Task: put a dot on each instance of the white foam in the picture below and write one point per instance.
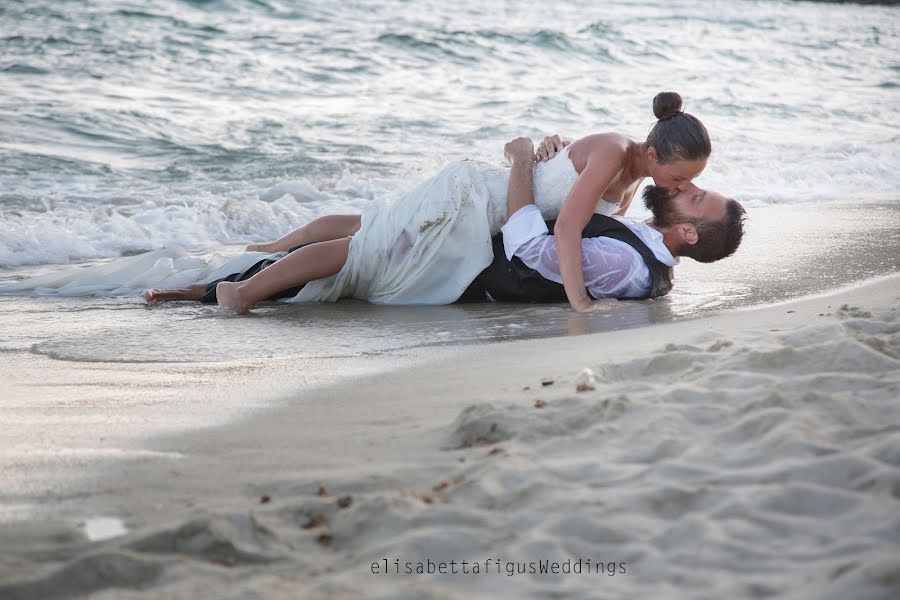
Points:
(104, 528)
(71, 230)
(83, 222)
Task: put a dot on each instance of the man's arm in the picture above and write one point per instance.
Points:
(520, 153)
(612, 269)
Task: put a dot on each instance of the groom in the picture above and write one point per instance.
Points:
(622, 259)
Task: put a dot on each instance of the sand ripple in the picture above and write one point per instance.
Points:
(762, 466)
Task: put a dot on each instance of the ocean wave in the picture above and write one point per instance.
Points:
(20, 68)
(202, 99)
(37, 231)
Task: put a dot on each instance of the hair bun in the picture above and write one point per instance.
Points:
(667, 105)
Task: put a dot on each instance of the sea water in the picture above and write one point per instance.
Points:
(129, 127)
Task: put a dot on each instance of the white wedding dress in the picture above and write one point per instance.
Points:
(424, 247)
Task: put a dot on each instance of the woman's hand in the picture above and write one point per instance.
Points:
(596, 305)
(550, 146)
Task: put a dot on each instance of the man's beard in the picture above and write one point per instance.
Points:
(658, 201)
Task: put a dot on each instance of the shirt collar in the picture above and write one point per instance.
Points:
(653, 238)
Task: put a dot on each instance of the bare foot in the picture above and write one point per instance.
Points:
(229, 296)
(257, 248)
(150, 296)
(154, 295)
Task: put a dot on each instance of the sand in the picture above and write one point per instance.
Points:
(750, 454)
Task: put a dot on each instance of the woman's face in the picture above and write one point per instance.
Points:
(676, 175)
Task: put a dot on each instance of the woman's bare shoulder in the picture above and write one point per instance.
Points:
(608, 145)
(608, 139)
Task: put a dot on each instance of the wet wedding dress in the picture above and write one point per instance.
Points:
(427, 246)
(422, 247)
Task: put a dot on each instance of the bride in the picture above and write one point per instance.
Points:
(427, 246)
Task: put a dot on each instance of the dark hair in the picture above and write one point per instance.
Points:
(717, 239)
(677, 135)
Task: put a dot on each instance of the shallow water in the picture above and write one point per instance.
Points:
(789, 252)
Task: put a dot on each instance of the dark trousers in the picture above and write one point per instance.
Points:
(506, 281)
(210, 294)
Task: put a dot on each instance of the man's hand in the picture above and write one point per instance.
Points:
(550, 146)
(519, 150)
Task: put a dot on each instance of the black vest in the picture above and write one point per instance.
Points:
(512, 281)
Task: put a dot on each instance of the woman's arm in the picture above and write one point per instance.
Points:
(550, 146)
(603, 166)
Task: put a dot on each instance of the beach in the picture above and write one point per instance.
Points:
(737, 438)
(740, 437)
(748, 454)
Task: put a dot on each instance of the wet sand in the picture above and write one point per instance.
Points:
(753, 452)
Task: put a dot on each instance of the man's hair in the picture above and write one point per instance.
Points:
(717, 239)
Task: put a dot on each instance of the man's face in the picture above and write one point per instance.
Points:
(690, 205)
(700, 204)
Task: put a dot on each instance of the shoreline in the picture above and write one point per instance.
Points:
(155, 385)
(386, 440)
(789, 252)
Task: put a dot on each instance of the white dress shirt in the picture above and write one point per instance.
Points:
(612, 269)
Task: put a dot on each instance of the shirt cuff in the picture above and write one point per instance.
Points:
(523, 226)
